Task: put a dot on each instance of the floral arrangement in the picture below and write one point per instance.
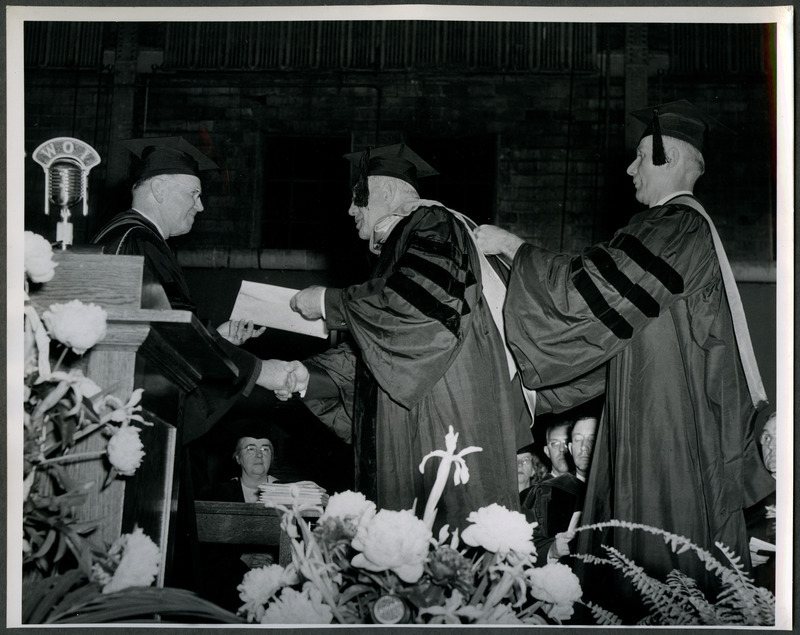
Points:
(677, 601)
(66, 575)
(362, 565)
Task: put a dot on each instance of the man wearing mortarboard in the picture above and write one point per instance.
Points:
(428, 353)
(658, 308)
(166, 197)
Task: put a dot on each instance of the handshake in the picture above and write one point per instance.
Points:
(285, 378)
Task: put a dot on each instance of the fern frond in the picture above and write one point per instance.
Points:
(601, 616)
(664, 605)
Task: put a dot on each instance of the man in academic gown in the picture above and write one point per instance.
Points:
(428, 352)
(656, 307)
(166, 197)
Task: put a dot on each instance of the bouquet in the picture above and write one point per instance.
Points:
(362, 565)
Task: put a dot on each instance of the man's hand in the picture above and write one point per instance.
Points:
(308, 302)
(560, 547)
(237, 332)
(296, 381)
(757, 559)
(285, 378)
(492, 240)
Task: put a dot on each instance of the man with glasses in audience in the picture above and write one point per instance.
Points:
(555, 502)
(555, 449)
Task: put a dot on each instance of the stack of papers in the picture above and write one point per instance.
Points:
(302, 493)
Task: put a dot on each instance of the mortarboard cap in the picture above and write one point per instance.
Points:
(681, 120)
(530, 448)
(398, 161)
(168, 155)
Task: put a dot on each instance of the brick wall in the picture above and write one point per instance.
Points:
(560, 167)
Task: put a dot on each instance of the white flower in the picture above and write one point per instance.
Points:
(349, 506)
(393, 540)
(499, 530)
(258, 586)
(139, 564)
(555, 584)
(298, 607)
(75, 324)
(125, 450)
(39, 265)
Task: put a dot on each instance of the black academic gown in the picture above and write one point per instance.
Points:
(429, 356)
(130, 233)
(551, 505)
(675, 447)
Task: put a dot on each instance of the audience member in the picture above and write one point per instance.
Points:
(526, 468)
(761, 516)
(554, 503)
(225, 565)
(253, 453)
(556, 447)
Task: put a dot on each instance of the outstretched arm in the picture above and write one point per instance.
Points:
(492, 240)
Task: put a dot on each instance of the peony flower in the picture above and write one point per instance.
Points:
(125, 450)
(449, 568)
(298, 607)
(39, 265)
(139, 563)
(344, 514)
(499, 530)
(259, 585)
(75, 324)
(349, 504)
(393, 540)
(557, 585)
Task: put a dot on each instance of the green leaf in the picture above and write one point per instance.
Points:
(145, 603)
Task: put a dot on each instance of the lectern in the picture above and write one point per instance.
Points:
(149, 346)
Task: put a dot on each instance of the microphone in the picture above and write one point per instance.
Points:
(66, 163)
(67, 185)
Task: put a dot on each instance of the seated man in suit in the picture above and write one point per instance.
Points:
(555, 501)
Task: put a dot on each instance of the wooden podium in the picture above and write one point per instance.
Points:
(147, 346)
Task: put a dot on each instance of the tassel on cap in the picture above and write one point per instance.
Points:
(361, 188)
(397, 161)
(659, 158)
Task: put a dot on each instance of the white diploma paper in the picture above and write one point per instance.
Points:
(268, 305)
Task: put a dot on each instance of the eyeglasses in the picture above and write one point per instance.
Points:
(557, 445)
(523, 461)
(253, 448)
(195, 191)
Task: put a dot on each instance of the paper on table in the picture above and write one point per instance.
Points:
(268, 305)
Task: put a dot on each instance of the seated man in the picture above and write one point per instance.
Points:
(760, 518)
(556, 500)
(555, 449)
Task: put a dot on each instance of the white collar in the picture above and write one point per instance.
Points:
(152, 220)
(670, 196)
